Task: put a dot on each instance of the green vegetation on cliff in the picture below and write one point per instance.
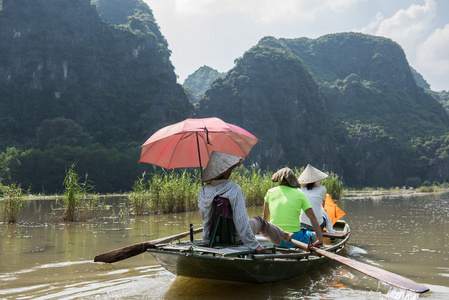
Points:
(367, 129)
(72, 80)
(88, 84)
(442, 96)
(200, 81)
(271, 93)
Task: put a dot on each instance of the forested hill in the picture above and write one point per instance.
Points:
(60, 59)
(200, 81)
(368, 78)
(88, 82)
(271, 93)
(69, 78)
(345, 101)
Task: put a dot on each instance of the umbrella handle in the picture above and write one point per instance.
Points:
(199, 157)
(207, 136)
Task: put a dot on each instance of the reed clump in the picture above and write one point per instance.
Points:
(166, 191)
(177, 190)
(14, 199)
(430, 189)
(78, 204)
(333, 185)
(139, 195)
(253, 182)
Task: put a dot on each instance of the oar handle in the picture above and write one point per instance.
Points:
(302, 245)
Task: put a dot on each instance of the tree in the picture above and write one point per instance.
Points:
(9, 162)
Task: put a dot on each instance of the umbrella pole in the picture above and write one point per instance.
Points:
(199, 157)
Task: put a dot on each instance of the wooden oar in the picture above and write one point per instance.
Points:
(382, 275)
(133, 250)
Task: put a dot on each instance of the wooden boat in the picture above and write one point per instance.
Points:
(237, 263)
(197, 259)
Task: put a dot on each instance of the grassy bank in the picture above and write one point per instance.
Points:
(177, 190)
(173, 191)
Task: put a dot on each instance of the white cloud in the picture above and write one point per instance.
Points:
(433, 56)
(372, 26)
(427, 48)
(263, 11)
(194, 7)
(216, 32)
(407, 26)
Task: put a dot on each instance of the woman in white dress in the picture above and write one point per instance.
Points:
(310, 185)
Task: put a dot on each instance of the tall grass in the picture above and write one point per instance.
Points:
(173, 191)
(254, 183)
(78, 205)
(13, 201)
(333, 185)
(430, 189)
(139, 196)
(177, 190)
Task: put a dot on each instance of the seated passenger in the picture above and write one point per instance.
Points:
(316, 194)
(283, 205)
(216, 176)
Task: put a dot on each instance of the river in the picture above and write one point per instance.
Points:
(44, 258)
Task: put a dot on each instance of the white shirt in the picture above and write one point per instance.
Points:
(234, 193)
(315, 196)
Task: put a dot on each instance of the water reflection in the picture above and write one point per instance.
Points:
(42, 258)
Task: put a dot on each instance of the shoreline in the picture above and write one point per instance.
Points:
(348, 195)
(358, 195)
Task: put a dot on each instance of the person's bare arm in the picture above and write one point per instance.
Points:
(316, 226)
(266, 212)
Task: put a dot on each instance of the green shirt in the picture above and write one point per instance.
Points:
(285, 204)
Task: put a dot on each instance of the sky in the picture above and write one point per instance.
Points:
(216, 32)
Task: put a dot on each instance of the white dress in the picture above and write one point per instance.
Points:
(315, 196)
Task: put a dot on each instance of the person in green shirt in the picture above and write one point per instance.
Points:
(283, 205)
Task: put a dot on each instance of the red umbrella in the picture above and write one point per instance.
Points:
(190, 143)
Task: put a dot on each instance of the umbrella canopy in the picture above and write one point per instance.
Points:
(333, 211)
(189, 143)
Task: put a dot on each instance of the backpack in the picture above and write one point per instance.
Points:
(222, 228)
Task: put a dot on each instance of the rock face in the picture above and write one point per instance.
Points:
(347, 102)
(61, 59)
(200, 81)
(97, 75)
(270, 93)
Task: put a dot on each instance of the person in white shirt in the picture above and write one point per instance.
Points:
(310, 181)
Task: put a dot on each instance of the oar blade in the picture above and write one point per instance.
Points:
(133, 250)
(123, 253)
(382, 275)
(375, 272)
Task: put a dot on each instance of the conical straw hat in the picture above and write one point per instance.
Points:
(219, 163)
(311, 174)
(287, 174)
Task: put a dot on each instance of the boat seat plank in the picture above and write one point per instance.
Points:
(283, 255)
(229, 251)
(336, 234)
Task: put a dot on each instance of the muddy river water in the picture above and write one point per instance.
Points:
(43, 258)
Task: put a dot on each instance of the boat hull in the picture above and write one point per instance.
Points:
(192, 259)
(241, 270)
